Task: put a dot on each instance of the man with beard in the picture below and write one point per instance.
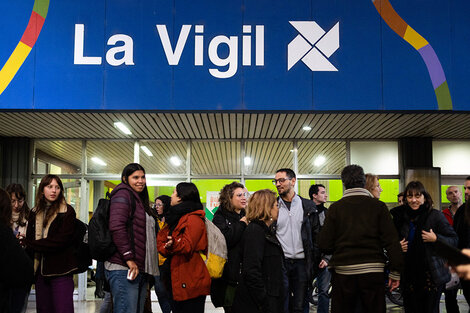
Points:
(297, 228)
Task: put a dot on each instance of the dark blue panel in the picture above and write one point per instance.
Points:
(59, 84)
(377, 69)
(194, 86)
(272, 87)
(458, 76)
(146, 85)
(357, 84)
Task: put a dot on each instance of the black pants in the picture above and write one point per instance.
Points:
(295, 282)
(466, 289)
(195, 305)
(421, 300)
(451, 301)
(368, 288)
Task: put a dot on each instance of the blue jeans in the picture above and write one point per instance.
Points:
(295, 282)
(128, 295)
(323, 282)
(162, 295)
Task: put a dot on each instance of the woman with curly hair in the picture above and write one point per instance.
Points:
(230, 219)
(261, 285)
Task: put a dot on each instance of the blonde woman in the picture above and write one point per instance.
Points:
(261, 284)
(373, 185)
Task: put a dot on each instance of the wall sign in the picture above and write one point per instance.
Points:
(306, 55)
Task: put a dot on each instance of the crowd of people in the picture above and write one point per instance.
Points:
(277, 244)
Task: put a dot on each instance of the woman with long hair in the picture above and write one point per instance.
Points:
(132, 227)
(50, 238)
(185, 275)
(261, 285)
(419, 227)
(16, 268)
(230, 219)
(19, 218)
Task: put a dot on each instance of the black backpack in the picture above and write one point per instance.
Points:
(82, 249)
(100, 240)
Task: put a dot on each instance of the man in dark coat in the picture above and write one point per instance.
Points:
(357, 229)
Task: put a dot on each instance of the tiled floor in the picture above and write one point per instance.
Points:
(93, 306)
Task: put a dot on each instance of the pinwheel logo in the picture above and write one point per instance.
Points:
(313, 46)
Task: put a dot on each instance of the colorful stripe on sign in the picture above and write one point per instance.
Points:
(22, 50)
(402, 29)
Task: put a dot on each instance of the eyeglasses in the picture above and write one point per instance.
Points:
(280, 180)
(19, 202)
(243, 194)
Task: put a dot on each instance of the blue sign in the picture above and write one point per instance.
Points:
(307, 55)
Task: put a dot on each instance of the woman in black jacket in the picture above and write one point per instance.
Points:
(230, 219)
(419, 227)
(16, 268)
(261, 285)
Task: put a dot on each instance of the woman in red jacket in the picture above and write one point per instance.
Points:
(181, 241)
(50, 237)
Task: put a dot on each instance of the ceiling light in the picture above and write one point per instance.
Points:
(175, 161)
(307, 128)
(247, 161)
(146, 150)
(98, 161)
(122, 128)
(319, 161)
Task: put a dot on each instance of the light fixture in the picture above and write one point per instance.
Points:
(122, 128)
(98, 161)
(175, 161)
(319, 161)
(146, 150)
(307, 128)
(247, 161)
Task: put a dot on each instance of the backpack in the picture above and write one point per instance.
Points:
(216, 250)
(100, 240)
(82, 249)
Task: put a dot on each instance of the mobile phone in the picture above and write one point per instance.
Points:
(129, 275)
(453, 255)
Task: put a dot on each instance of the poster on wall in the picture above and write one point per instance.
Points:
(311, 55)
(212, 201)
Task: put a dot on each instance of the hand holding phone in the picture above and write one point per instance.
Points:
(133, 270)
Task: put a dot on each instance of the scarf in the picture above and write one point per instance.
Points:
(174, 214)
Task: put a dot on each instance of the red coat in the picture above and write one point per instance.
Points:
(189, 275)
